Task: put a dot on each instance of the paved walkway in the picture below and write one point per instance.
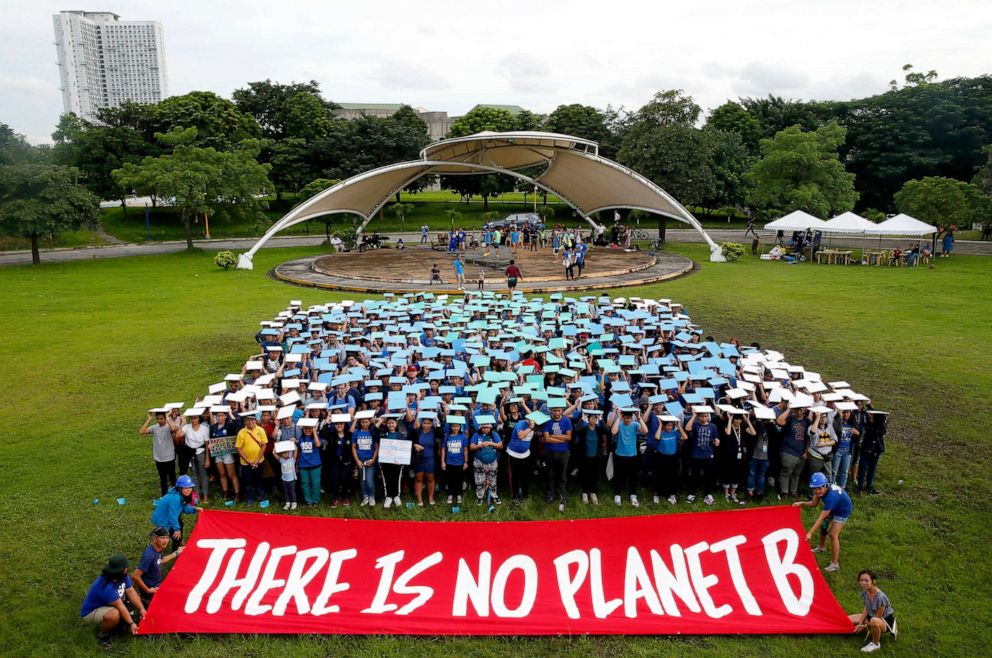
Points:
(972, 247)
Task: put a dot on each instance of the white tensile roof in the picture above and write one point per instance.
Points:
(568, 167)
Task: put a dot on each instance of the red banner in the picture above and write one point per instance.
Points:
(747, 571)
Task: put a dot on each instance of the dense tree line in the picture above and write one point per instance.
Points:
(922, 147)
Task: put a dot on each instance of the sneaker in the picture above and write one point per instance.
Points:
(726, 497)
(347, 502)
(478, 500)
(833, 566)
(594, 498)
(672, 500)
(458, 499)
(561, 507)
(634, 501)
(734, 498)
(819, 549)
(495, 500)
(105, 641)
(365, 502)
(585, 499)
(871, 646)
(286, 506)
(874, 492)
(292, 506)
(420, 503)
(335, 503)
(617, 500)
(656, 499)
(691, 498)
(388, 503)
(742, 502)
(431, 502)
(449, 500)
(397, 501)
(708, 500)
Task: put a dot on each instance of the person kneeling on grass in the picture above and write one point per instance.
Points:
(104, 602)
(170, 508)
(837, 508)
(877, 615)
(148, 574)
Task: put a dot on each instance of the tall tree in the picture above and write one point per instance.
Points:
(775, 114)
(983, 175)
(276, 107)
(802, 171)
(219, 123)
(921, 130)
(477, 120)
(96, 151)
(579, 121)
(730, 161)
(670, 108)
(14, 147)
(199, 180)
(731, 117)
(941, 201)
(43, 200)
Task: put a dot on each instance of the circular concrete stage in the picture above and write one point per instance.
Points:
(408, 270)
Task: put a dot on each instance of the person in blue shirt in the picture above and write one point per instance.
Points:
(459, 273)
(664, 457)
(454, 458)
(556, 437)
(519, 460)
(589, 438)
(148, 573)
(170, 508)
(365, 452)
(837, 508)
(484, 448)
(104, 602)
(392, 474)
(308, 446)
(842, 451)
(425, 440)
(703, 437)
(624, 428)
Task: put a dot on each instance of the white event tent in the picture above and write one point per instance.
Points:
(903, 224)
(848, 222)
(797, 220)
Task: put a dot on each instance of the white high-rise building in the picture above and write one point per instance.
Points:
(104, 61)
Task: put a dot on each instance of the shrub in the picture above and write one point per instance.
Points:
(347, 234)
(732, 251)
(225, 259)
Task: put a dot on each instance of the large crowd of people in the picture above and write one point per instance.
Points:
(421, 399)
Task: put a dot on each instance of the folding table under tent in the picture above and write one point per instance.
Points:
(903, 225)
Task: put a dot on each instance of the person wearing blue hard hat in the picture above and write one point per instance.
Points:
(170, 508)
(837, 508)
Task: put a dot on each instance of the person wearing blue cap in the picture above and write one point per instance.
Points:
(837, 508)
(170, 508)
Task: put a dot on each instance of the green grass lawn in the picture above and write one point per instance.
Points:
(89, 346)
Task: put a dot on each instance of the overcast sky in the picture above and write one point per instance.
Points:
(448, 55)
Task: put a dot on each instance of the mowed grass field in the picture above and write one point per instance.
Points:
(88, 347)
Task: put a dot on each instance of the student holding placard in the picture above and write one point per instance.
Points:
(733, 458)
(590, 440)
(222, 452)
(286, 452)
(556, 438)
(392, 474)
(335, 441)
(484, 447)
(665, 458)
(309, 460)
(703, 438)
(822, 439)
(365, 452)
(424, 448)
(454, 458)
(624, 427)
(519, 457)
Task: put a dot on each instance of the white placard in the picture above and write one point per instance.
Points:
(395, 451)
